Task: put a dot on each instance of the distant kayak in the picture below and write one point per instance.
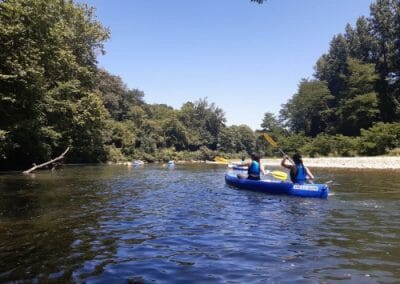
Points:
(278, 187)
(238, 167)
(216, 163)
(137, 163)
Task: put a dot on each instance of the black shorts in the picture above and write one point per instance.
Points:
(253, 178)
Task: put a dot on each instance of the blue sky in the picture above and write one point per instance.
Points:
(246, 58)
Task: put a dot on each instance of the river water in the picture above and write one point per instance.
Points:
(102, 224)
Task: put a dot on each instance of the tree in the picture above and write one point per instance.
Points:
(378, 139)
(247, 139)
(173, 133)
(270, 123)
(384, 20)
(112, 90)
(205, 122)
(237, 139)
(360, 41)
(306, 110)
(86, 127)
(47, 65)
(359, 108)
(120, 136)
(332, 66)
(176, 134)
(118, 99)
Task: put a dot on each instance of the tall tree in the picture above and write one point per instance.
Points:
(237, 139)
(361, 43)
(271, 124)
(305, 111)
(384, 16)
(332, 66)
(118, 99)
(47, 62)
(204, 121)
(359, 107)
(112, 90)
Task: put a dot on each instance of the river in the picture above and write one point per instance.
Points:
(102, 224)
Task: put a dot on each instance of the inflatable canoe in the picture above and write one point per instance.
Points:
(279, 187)
(238, 167)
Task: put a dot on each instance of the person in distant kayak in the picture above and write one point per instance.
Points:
(298, 172)
(254, 168)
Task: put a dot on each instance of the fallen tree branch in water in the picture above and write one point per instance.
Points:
(47, 163)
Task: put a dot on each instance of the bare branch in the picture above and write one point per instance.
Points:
(47, 163)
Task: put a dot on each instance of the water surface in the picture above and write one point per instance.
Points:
(158, 225)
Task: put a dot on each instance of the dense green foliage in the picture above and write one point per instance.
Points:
(353, 104)
(361, 72)
(53, 96)
(47, 63)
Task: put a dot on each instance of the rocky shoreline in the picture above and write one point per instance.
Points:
(345, 162)
(381, 162)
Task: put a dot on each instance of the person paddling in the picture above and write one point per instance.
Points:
(298, 172)
(254, 168)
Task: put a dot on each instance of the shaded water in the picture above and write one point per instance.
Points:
(152, 224)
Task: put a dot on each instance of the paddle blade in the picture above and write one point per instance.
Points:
(220, 159)
(270, 140)
(279, 175)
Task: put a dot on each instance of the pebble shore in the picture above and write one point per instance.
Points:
(350, 162)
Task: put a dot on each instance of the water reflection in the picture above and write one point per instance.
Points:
(149, 224)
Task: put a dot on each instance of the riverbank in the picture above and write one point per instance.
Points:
(345, 162)
(382, 162)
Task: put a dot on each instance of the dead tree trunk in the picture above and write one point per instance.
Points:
(47, 163)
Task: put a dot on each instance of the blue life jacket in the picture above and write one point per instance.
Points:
(254, 170)
(301, 174)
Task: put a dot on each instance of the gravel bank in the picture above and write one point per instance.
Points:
(352, 162)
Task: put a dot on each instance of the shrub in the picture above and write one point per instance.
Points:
(379, 139)
(114, 154)
(345, 146)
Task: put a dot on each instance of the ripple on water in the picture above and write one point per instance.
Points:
(115, 224)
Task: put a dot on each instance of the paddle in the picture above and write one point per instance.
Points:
(278, 174)
(275, 145)
(221, 159)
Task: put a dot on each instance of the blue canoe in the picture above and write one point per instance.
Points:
(279, 187)
(240, 168)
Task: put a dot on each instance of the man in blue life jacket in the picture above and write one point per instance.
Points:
(298, 172)
(254, 168)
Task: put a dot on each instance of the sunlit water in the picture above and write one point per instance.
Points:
(157, 225)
